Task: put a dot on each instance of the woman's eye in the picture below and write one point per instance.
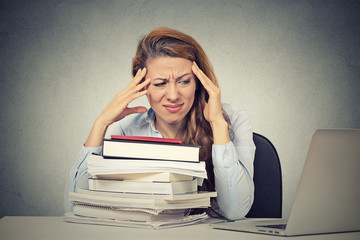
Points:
(159, 84)
(184, 82)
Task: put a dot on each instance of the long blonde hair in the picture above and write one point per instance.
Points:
(195, 128)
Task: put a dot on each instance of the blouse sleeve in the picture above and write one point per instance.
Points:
(78, 177)
(233, 169)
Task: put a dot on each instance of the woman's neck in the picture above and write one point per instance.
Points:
(168, 130)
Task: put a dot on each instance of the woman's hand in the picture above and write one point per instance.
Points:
(118, 108)
(212, 109)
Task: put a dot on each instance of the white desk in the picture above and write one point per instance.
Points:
(55, 228)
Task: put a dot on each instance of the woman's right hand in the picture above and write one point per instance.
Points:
(118, 108)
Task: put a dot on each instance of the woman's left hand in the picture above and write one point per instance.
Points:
(212, 108)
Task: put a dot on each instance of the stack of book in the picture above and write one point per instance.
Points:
(142, 182)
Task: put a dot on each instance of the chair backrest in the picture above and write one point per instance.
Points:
(267, 180)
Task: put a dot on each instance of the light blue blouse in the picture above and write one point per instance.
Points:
(233, 162)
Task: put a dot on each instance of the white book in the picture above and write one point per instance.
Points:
(129, 214)
(98, 165)
(169, 223)
(186, 196)
(162, 204)
(147, 177)
(111, 185)
(150, 150)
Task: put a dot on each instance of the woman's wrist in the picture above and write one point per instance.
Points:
(101, 123)
(97, 134)
(220, 130)
(219, 122)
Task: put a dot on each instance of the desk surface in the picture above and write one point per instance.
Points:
(55, 228)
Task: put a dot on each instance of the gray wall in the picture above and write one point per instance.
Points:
(292, 65)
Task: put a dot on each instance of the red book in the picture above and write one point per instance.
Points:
(146, 139)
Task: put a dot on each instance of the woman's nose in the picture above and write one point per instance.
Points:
(172, 93)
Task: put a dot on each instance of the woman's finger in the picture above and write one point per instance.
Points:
(205, 81)
(140, 74)
(138, 91)
(136, 75)
(136, 84)
(209, 86)
(141, 86)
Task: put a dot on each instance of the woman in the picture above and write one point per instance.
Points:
(173, 71)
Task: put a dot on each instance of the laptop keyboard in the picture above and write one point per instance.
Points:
(277, 226)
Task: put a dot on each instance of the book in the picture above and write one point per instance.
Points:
(169, 223)
(185, 196)
(129, 214)
(146, 139)
(146, 203)
(98, 165)
(148, 177)
(143, 187)
(118, 148)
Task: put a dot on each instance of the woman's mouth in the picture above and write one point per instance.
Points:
(173, 108)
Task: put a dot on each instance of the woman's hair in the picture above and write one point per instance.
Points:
(166, 42)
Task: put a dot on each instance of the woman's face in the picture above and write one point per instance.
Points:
(171, 91)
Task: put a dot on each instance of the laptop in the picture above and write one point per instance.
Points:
(328, 196)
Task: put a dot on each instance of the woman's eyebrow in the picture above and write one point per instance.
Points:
(162, 79)
(183, 76)
(165, 79)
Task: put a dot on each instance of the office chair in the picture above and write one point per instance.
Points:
(267, 180)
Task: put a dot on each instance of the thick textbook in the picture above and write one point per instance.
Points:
(129, 214)
(169, 223)
(118, 148)
(98, 165)
(147, 177)
(148, 203)
(143, 187)
(185, 196)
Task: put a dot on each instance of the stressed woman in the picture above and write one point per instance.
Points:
(173, 71)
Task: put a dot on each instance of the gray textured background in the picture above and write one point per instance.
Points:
(294, 66)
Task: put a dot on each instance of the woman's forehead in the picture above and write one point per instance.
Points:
(165, 67)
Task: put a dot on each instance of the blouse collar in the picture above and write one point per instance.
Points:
(150, 118)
